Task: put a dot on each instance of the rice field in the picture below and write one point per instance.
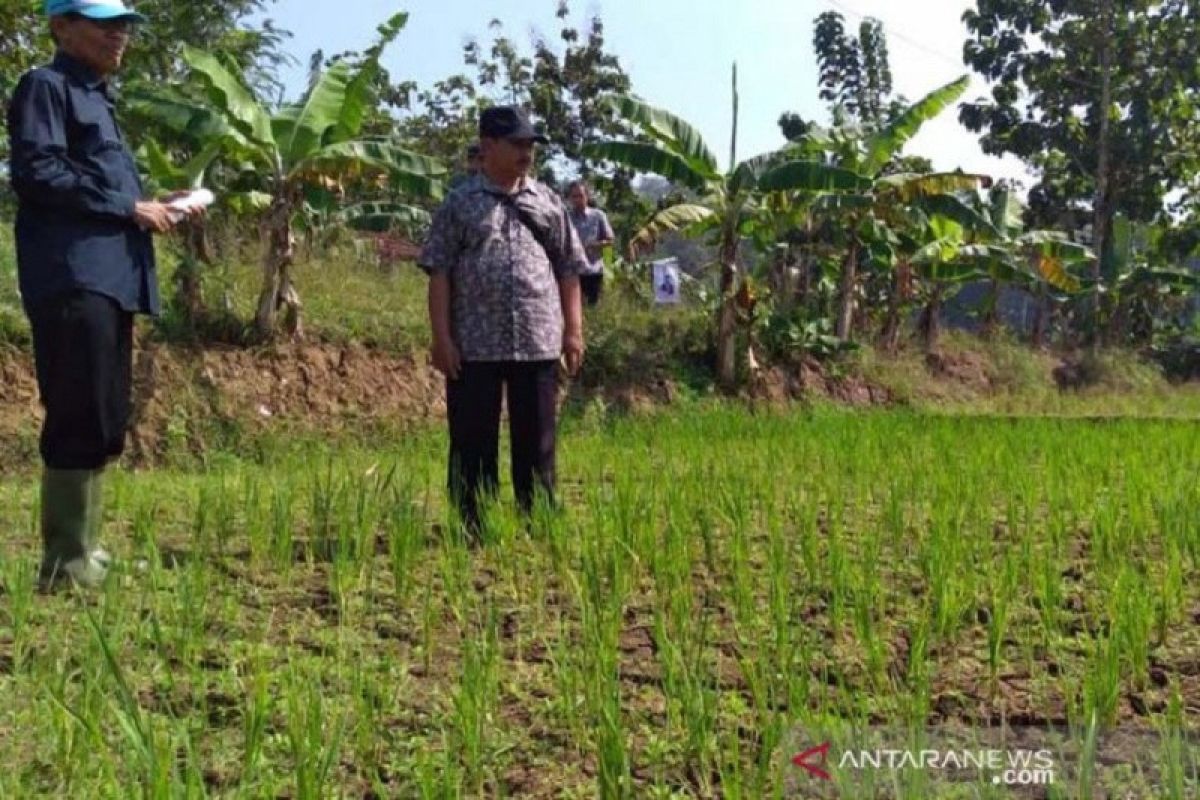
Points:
(307, 623)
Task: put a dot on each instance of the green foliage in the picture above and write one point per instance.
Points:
(155, 55)
(854, 74)
(1043, 62)
(787, 336)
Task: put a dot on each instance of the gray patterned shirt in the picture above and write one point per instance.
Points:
(504, 298)
(593, 227)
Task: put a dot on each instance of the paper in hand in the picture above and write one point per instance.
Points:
(200, 198)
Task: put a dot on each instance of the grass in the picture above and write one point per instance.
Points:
(302, 623)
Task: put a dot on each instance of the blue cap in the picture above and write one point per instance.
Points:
(93, 9)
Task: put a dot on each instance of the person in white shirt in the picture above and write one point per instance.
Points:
(596, 233)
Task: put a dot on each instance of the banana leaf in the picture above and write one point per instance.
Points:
(645, 157)
(888, 143)
(680, 137)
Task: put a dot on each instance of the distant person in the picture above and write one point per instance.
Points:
(472, 162)
(504, 306)
(596, 234)
(85, 266)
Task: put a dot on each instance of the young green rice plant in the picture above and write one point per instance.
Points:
(1048, 591)
(736, 517)
(429, 625)
(568, 702)
(404, 523)
(144, 523)
(689, 686)
(1179, 758)
(225, 518)
(455, 568)
(940, 567)
(1085, 784)
(916, 700)
(153, 755)
(1169, 598)
(476, 698)
(281, 526)
(18, 591)
(837, 564)
(868, 602)
(1102, 682)
(601, 589)
(258, 707)
(314, 727)
(1132, 619)
(1001, 595)
(76, 733)
(439, 772)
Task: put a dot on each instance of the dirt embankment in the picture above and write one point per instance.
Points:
(206, 398)
(180, 393)
(218, 397)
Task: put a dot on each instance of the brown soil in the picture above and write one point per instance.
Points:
(809, 379)
(320, 386)
(181, 394)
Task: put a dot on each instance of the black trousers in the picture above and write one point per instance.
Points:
(473, 410)
(592, 284)
(83, 354)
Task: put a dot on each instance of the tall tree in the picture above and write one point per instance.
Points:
(854, 73)
(565, 80)
(156, 56)
(854, 76)
(1097, 96)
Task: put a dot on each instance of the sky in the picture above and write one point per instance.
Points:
(678, 54)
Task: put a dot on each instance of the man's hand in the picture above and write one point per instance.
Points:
(152, 215)
(573, 351)
(446, 358)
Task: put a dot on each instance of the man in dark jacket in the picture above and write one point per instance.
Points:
(85, 265)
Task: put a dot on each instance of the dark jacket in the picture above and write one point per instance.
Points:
(76, 184)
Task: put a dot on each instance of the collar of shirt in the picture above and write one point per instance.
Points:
(79, 72)
(481, 183)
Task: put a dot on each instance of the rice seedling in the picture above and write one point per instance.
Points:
(308, 622)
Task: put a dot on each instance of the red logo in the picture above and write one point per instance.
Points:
(812, 761)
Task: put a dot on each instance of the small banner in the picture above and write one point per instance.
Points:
(666, 281)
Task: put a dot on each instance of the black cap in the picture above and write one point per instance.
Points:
(507, 122)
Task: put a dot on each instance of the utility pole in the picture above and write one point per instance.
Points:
(733, 138)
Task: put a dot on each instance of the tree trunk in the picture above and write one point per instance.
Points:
(846, 292)
(803, 279)
(277, 289)
(1037, 336)
(727, 323)
(991, 311)
(901, 288)
(931, 319)
(1101, 218)
(197, 252)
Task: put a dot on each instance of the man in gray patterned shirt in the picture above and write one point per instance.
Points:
(503, 261)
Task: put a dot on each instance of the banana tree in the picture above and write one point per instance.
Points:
(1140, 283)
(300, 146)
(1036, 261)
(722, 205)
(166, 176)
(868, 201)
(1042, 263)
